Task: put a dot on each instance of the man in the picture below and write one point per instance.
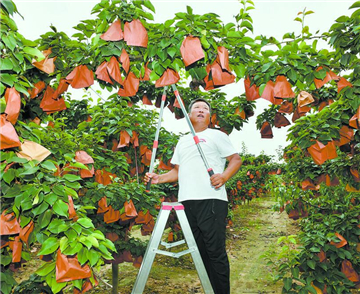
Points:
(204, 197)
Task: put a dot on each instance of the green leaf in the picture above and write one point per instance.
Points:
(79, 165)
(64, 243)
(2, 100)
(292, 74)
(9, 176)
(145, 14)
(108, 244)
(311, 289)
(29, 171)
(85, 222)
(165, 43)
(51, 198)
(5, 260)
(47, 268)
(198, 73)
(57, 226)
(204, 42)
(71, 192)
(169, 22)
(240, 70)
(9, 41)
(6, 64)
(71, 250)
(45, 219)
(49, 246)
(234, 34)
(17, 159)
(82, 255)
(59, 190)
(40, 209)
(93, 256)
(85, 241)
(246, 24)
(71, 234)
(154, 76)
(94, 242)
(61, 208)
(355, 5)
(55, 286)
(71, 178)
(149, 5)
(266, 66)
(21, 89)
(181, 15)
(48, 165)
(98, 235)
(34, 52)
(262, 88)
(171, 51)
(311, 264)
(105, 252)
(287, 283)
(73, 185)
(8, 79)
(9, 6)
(321, 74)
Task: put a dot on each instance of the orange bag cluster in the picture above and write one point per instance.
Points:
(69, 268)
(266, 132)
(47, 64)
(191, 50)
(355, 120)
(168, 78)
(10, 226)
(219, 73)
(8, 136)
(320, 152)
(134, 33)
(81, 77)
(50, 103)
(84, 158)
(13, 105)
(329, 77)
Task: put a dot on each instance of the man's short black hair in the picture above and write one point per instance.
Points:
(197, 100)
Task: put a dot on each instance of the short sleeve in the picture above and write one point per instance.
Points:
(224, 145)
(175, 159)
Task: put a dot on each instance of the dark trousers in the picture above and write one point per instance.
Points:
(207, 219)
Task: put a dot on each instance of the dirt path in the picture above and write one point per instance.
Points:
(256, 229)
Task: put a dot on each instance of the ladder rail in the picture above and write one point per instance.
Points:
(155, 241)
(149, 256)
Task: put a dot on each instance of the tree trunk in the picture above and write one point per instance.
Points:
(115, 278)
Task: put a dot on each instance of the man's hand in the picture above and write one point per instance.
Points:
(217, 180)
(154, 178)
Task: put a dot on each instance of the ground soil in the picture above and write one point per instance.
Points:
(256, 230)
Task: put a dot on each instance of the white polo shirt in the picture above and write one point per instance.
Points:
(194, 180)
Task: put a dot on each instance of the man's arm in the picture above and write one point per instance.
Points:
(169, 177)
(217, 180)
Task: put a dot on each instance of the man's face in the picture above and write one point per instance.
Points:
(200, 113)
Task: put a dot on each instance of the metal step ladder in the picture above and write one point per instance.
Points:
(155, 241)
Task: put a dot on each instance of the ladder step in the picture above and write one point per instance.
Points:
(171, 245)
(174, 254)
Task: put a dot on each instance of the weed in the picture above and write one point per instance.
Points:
(281, 257)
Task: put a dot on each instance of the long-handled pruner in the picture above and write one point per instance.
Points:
(196, 139)
(156, 140)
